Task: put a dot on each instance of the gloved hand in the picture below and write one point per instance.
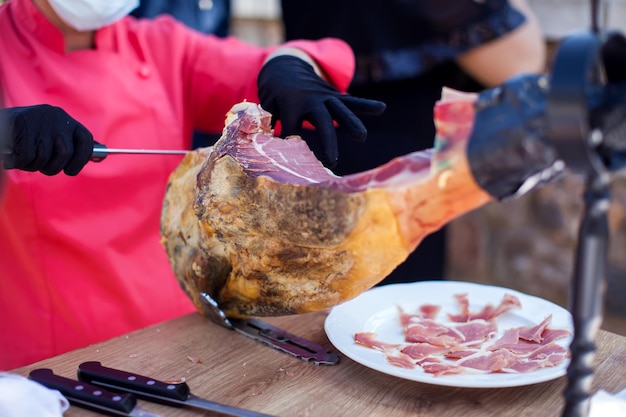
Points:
(45, 138)
(290, 89)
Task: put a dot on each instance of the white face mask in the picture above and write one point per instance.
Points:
(92, 14)
(21, 397)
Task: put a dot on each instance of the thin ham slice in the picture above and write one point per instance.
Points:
(422, 350)
(477, 331)
(429, 331)
(488, 361)
(550, 335)
(461, 352)
(522, 366)
(369, 339)
(429, 311)
(546, 356)
(464, 313)
(488, 312)
(425, 311)
(400, 359)
(438, 367)
(527, 339)
(546, 351)
(534, 334)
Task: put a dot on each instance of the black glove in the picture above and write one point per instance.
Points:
(290, 89)
(45, 138)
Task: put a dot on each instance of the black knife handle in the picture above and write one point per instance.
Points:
(83, 393)
(143, 386)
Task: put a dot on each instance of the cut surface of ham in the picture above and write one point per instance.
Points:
(470, 342)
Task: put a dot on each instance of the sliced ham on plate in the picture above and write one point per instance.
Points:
(466, 341)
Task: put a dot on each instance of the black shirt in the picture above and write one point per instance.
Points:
(405, 51)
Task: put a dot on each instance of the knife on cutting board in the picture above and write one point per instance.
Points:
(154, 390)
(90, 396)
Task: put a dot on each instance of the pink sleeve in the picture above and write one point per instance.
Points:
(334, 56)
(206, 75)
(232, 67)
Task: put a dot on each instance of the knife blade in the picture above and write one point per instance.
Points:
(89, 396)
(154, 390)
(101, 151)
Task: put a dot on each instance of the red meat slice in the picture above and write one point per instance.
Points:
(369, 339)
(429, 331)
(517, 340)
(461, 352)
(545, 356)
(489, 362)
(426, 311)
(422, 350)
(437, 367)
(477, 330)
(464, 314)
(400, 359)
(489, 312)
(534, 334)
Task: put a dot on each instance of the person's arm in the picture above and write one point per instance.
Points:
(521, 51)
(298, 81)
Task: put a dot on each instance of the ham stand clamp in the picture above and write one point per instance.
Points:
(269, 335)
(579, 104)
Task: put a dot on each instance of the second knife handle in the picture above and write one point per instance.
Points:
(95, 373)
(83, 393)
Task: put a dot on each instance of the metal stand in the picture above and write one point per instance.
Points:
(587, 295)
(577, 72)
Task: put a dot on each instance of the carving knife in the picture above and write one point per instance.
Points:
(90, 396)
(154, 390)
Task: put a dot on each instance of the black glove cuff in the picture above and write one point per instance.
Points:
(271, 81)
(278, 64)
(507, 152)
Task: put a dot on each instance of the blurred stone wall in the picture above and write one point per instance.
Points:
(529, 244)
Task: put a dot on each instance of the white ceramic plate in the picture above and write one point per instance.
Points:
(376, 311)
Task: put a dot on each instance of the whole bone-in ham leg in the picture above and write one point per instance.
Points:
(259, 224)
